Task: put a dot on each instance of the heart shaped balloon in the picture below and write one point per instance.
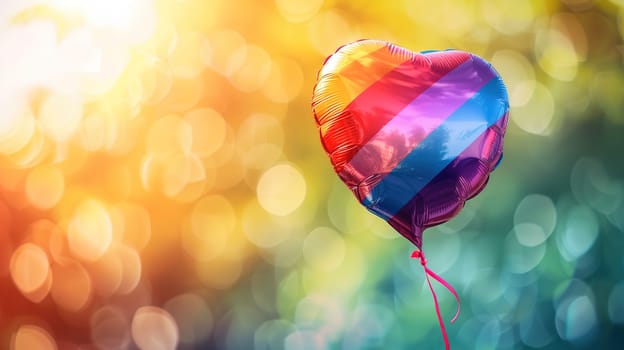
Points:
(413, 135)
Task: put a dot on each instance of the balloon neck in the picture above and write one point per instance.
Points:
(418, 254)
(416, 238)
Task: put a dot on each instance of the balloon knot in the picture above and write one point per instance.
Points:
(417, 254)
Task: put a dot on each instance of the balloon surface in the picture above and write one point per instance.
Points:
(413, 135)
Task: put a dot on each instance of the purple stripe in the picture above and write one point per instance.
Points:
(423, 115)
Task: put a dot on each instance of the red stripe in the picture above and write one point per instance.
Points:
(397, 89)
(355, 77)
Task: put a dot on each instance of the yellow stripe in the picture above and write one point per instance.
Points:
(348, 54)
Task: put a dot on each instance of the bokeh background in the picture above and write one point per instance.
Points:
(162, 183)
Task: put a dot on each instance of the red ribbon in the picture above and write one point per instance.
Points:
(417, 254)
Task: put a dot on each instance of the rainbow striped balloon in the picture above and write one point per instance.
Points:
(413, 135)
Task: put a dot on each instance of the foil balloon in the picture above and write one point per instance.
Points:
(412, 135)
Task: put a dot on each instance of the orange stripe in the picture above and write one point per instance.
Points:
(350, 71)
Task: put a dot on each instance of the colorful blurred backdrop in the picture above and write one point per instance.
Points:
(162, 183)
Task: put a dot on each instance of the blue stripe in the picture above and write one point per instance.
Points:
(438, 150)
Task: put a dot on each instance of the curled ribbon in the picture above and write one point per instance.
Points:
(417, 254)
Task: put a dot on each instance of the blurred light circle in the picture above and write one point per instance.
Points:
(259, 141)
(489, 335)
(110, 328)
(60, 116)
(208, 229)
(18, 125)
(459, 222)
(33, 152)
(154, 329)
(522, 258)
(263, 294)
(556, 54)
(193, 317)
(328, 30)
(254, 71)
(31, 337)
(616, 304)
(261, 228)
(106, 274)
(536, 331)
(156, 80)
(508, 18)
(576, 318)
(281, 189)
(518, 74)
(225, 153)
(591, 183)
(45, 186)
(259, 128)
(183, 177)
(97, 131)
(298, 10)
(376, 320)
(29, 268)
(208, 130)
(185, 59)
(323, 313)
(90, 231)
(220, 273)
(457, 18)
(471, 330)
(169, 133)
(184, 94)
(271, 334)
(261, 156)
(104, 66)
(536, 115)
(132, 269)
(443, 251)
(40, 232)
(228, 174)
(345, 280)
(529, 234)
(137, 225)
(521, 93)
(72, 286)
(117, 222)
(324, 248)
(300, 339)
(39, 294)
(539, 210)
(587, 171)
(287, 253)
(580, 233)
(177, 175)
(570, 25)
(224, 51)
(284, 82)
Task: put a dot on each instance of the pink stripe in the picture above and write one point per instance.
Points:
(418, 119)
